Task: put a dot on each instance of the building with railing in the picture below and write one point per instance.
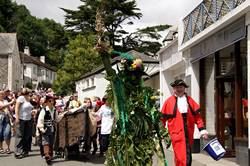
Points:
(214, 38)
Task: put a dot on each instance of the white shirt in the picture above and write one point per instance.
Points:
(107, 116)
(182, 104)
(25, 108)
(40, 121)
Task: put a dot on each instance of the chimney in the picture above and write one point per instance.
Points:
(27, 50)
(42, 59)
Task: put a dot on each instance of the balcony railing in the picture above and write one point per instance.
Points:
(205, 14)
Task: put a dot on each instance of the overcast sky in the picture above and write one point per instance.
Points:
(154, 11)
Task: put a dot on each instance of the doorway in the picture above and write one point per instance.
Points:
(226, 113)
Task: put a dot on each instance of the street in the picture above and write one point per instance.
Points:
(35, 159)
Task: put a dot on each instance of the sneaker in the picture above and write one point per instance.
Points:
(7, 151)
(19, 156)
(48, 160)
(2, 151)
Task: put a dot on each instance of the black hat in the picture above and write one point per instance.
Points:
(178, 83)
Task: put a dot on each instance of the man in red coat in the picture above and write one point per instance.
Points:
(182, 113)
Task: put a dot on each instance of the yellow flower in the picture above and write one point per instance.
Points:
(153, 97)
(138, 61)
(133, 66)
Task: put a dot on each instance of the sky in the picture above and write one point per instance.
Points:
(154, 12)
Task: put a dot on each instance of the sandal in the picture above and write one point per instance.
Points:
(7, 151)
(1, 151)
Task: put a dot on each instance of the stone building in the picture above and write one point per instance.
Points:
(10, 63)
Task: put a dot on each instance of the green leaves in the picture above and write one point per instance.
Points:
(145, 40)
(79, 59)
(116, 13)
(45, 37)
(143, 131)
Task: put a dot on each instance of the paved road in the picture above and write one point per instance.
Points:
(34, 159)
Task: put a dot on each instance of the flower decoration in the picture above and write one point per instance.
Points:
(132, 65)
(137, 64)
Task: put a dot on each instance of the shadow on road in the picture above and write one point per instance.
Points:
(95, 159)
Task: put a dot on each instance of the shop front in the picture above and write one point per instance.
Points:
(222, 50)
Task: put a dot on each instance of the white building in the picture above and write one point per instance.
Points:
(215, 39)
(10, 63)
(95, 84)
(36, 72)
(174, 66)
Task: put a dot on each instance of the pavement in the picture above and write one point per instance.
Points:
(200, 159)
(34, 158)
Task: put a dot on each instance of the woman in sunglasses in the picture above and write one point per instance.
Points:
(46, 126)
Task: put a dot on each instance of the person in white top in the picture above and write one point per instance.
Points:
(107, 118)
(23, 109)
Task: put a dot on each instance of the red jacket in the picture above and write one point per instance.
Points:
(175, 126)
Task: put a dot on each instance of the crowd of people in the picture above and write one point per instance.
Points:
(31, 117)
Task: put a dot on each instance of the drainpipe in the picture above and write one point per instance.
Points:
(248, 79)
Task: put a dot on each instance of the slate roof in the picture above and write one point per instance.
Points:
(135, 54)
(7, 43)
(31, 59)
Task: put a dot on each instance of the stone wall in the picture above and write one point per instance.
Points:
(3, 70)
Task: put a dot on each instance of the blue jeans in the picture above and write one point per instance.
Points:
(5, 129)
(104, 142)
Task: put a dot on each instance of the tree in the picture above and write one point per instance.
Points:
(79, 59)
(30, 33)
(145, 40)
(6, 12)
(137, 130)
(117, 12)
(56, 42)
(43, 36)
(20, 13)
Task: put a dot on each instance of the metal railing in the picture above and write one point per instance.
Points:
(205, 14)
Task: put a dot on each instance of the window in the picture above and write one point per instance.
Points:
(34, 70)
(25, 69)
(39, 72)
(42, 72)
(87, 83)
(92, 81)
(47, 74)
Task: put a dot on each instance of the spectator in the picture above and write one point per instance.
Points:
(5, 123)
(23, 111)
(107, 118)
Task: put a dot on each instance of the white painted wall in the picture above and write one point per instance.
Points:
(100, 83)
(210, 95)
(96, 89)
(47, 76)
(172, 66)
